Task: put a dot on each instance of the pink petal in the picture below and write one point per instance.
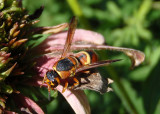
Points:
(26, 104)
(44, 63)
(49, 45)
(9, 112)
(77, 99)
(80, 35)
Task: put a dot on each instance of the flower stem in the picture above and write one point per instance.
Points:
(75, 7)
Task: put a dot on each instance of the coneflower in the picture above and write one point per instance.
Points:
(23, 63)
(15, 25)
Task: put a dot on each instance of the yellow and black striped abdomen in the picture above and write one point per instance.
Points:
(86, 57)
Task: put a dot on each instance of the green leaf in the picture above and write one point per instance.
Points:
(36, 40)
(129, 97)
(151, 94)
(114, 9)
(157, 110)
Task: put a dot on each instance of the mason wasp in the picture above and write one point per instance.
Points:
(65, 70)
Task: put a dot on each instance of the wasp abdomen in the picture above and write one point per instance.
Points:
(86, 57)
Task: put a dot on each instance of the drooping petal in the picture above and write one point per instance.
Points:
(77, 99)
(136, 56)
(80, 35)
(51, 29)
(27, 105)
(56, 42)
(9, 112)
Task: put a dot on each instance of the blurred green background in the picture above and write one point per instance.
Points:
(125, 23)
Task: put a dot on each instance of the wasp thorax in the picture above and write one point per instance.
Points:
(64, 65)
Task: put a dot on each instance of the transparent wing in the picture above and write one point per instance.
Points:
(71, 31)
(96, 64)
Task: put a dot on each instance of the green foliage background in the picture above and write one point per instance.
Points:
(125, 23)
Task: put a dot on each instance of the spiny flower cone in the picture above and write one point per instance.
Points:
(15, 24)
(16, 33)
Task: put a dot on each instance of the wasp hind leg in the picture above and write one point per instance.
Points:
(65, 87)
(75, 84)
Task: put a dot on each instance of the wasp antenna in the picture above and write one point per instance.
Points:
(43, 68)
(49, 93)
(43, 81)
(49, 96)
(41, 85)
(116, 60)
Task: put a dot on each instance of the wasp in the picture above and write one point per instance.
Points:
(65, 70)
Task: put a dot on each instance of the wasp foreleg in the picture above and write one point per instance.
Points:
(44, 79)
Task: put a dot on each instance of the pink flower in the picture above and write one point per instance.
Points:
(83, 39)
(76, 98)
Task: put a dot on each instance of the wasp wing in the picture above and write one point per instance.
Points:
(71, 31)
(96, 64)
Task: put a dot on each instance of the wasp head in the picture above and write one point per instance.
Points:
(52, 76)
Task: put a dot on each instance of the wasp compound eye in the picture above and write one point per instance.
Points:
(51, 75)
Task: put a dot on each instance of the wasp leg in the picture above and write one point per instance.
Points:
(65, 87)
(44, 79)
(49, 89)
(75, 84)
(49, 93)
